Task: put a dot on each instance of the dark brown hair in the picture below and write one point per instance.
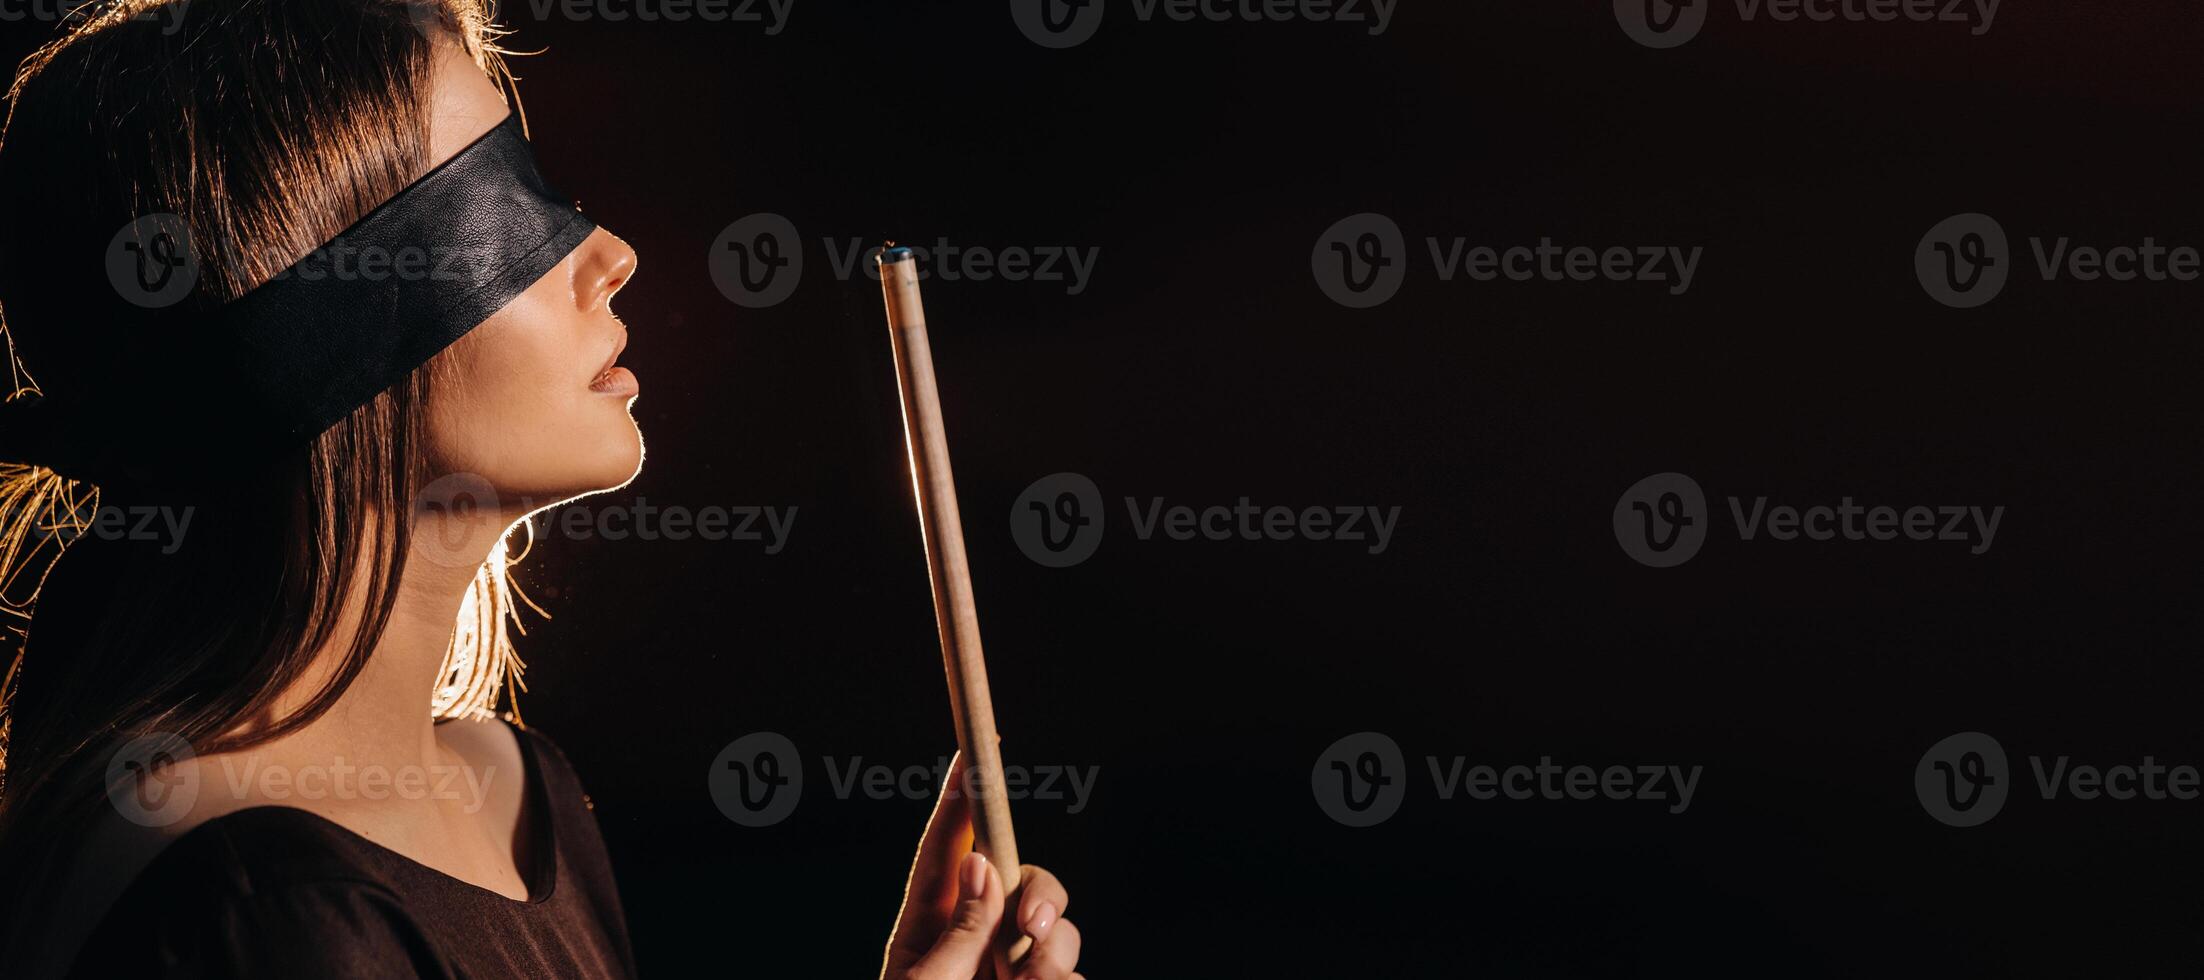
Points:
(269, 126)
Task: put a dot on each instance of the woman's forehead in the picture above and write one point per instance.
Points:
(463, 103)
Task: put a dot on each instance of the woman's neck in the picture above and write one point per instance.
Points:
(382, 716)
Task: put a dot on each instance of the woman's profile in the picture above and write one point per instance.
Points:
(285, 278)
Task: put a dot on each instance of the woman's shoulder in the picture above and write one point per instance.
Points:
(499, 743)
(281, 891)
(504, 744)
(486, 743)
(266, 849)
(260, 849)
(264, 891)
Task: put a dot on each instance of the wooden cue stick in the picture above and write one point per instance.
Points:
(954, 612)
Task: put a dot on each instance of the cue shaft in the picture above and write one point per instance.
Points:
(943, 530)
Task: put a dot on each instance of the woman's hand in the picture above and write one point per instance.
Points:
(953, 907)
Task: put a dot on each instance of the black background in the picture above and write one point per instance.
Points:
(1202, 364)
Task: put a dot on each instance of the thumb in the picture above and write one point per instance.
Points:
(963, 946)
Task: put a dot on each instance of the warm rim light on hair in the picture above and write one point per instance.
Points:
(481, 660)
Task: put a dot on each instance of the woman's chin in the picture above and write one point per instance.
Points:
(606, 463)
(623, 459)
(633, 465)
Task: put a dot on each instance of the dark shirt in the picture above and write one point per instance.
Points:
(280, 892)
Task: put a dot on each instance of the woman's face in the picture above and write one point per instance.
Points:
(529, 401)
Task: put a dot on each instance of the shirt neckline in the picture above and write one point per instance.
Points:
(543, 840)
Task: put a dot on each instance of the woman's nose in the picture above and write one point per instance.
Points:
(606, 264)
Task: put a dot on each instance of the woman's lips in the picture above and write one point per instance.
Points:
(614, 379)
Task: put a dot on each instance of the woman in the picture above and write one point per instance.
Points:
(285, 276)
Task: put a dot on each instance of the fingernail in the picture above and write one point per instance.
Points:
(1039, 918)
(975, 874)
